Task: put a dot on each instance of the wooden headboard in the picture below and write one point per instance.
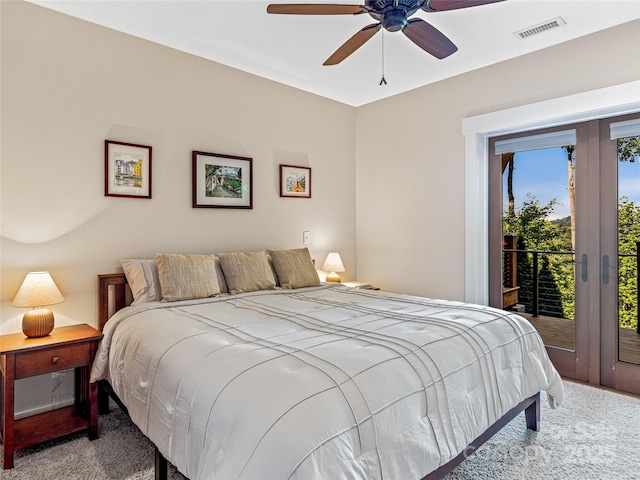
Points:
(119, 282)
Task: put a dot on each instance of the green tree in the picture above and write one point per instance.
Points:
(570, 150)
(535, 231)
(628, 235)
(508, 160)
(629, 149)
(531, 223)
(550, 297)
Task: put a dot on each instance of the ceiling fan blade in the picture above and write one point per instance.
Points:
(353, 44)
(444, 5)
(429, 38)
(315, 9)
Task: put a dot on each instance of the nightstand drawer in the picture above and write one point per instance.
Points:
(52, 359)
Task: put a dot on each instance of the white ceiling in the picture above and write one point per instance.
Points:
(290, 49)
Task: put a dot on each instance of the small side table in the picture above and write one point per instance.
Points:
(361, 285)
(75, 347)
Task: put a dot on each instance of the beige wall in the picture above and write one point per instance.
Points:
(67, 85)
(410, 159)
(391, 171)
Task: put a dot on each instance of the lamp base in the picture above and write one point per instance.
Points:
(333, 277)
(37, 322)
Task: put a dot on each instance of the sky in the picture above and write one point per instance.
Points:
(543, 173)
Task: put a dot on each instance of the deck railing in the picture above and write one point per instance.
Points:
(536, 291)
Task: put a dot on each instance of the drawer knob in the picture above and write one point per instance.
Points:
(54, 360)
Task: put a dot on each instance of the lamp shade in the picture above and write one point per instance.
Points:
(37, 289)
(333, 263)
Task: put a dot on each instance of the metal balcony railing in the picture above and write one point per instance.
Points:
(537, 291)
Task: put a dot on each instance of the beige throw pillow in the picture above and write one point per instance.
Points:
(247, 272)
(294, 268)
(142, 276)
(183, 277)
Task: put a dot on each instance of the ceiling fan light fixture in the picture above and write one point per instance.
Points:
(394, 20)
(393, 16)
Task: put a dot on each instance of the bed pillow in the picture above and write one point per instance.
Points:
(183, 277)
(142, 276)
(220, 274)
(247, 272)
(294, 268)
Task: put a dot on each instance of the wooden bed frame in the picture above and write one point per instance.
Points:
(112, 297)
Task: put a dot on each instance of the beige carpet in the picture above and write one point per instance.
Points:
(595, 435)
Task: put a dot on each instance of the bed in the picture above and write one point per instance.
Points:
(276, 375)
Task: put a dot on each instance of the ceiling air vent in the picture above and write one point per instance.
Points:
(540, 28)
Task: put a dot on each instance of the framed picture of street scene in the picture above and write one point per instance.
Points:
(127, 170)
(222, 181)
(295, 181)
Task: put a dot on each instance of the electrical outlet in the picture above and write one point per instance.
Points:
(61, 373)
(306, 237)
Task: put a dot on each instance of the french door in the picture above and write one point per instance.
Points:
(620, 267)
(564, 220)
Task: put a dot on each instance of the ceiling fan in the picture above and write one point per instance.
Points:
(393, 16)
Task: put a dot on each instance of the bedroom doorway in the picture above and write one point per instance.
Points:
(564, 223)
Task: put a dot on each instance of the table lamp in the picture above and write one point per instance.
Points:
(333, 264)
(37, 289)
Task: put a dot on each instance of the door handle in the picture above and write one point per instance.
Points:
(605, 269)
(584, 265)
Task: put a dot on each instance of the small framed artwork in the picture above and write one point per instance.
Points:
(295, 181)
(127, 170)
(222, 181)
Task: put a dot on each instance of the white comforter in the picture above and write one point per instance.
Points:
(319, 383)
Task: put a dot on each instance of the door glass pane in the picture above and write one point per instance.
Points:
(539, 240)
(628, 245)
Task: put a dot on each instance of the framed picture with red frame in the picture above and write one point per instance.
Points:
(295, 181)
(222, 181)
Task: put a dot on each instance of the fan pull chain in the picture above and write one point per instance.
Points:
(382, 81)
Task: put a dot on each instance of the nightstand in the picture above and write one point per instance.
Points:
(362, 285)
(69, 347)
